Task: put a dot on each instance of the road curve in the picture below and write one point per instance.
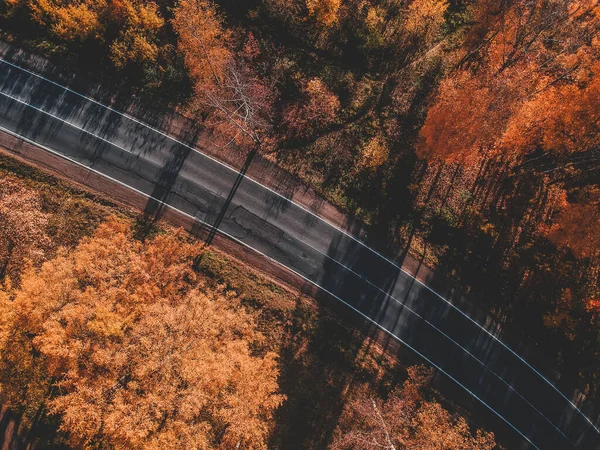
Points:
(171, 173)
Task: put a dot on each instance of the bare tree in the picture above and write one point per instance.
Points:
(240, 104)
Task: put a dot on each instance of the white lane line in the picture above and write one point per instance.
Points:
(233, 238)
(127, 116)
(442, 333)
(327, 256)
(327, 223)
(65, 122)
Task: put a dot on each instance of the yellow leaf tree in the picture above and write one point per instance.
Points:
(138, 353)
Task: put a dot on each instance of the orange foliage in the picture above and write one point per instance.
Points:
(577, 227)
(324, 11)
(593, 305)
(203, 40)
(238, 100)
(514, 91)
(564, 118)
(142, 354)
(12, 4)
(466, 117)
(425, 18)
(70, 20)
(405, 420)
(138, 22)
(374, 154)
(319, 110)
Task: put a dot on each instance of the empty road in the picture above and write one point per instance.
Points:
(171, 173)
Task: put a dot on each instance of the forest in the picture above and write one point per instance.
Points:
(464, 132)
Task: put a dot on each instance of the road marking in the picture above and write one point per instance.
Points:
(127, 116)
(441, 332)
(65, 122)
(539, 374)
(233, 238)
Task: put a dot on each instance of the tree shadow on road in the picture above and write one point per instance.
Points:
(329, 352)
(162, 190)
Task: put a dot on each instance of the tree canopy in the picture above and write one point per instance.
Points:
(131, 351)
(405, 420)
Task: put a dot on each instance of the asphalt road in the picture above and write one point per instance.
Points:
(171, 173)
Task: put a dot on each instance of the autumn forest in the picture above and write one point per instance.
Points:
(462, 133)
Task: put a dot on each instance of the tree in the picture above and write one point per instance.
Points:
(203, 40)
(139, 23)
(520, 60)
(374, 154)
(71, 21)
(317, 111)
(577, 227)
(564, 118)
(457, 127)
(138, 351)
(324, 11)
(234, 95)
(425, 19)
(404, 420)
